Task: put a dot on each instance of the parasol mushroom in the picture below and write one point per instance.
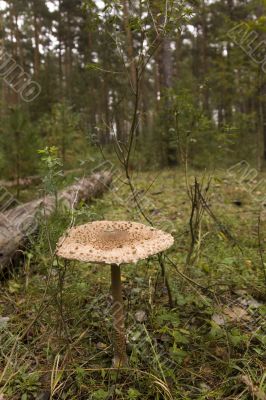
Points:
(114, 243)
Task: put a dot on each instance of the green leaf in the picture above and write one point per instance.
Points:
(262, 311)
(178, 354)
(229, 261)
(168, 317)
(13, 287)
(215, 331)
(100, 394)
(236, 337)
(179, 338)
(133, 394)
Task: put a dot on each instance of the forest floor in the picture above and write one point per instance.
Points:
(55, 323)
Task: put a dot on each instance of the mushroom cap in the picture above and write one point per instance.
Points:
(112, 242)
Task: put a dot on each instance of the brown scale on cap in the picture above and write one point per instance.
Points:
(109, 242)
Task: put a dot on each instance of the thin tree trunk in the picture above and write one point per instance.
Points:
(17, 144)
(205, 60)
(130, 47)
(60, 51)
(261, 128)
(165, 74)
(37, 45)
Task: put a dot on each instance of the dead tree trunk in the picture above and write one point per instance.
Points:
(18, 224)
(33, 180)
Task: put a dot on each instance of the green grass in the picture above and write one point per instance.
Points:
(210, 346)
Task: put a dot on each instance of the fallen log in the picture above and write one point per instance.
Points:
(21, 182)
(32, 180)
(18, 224)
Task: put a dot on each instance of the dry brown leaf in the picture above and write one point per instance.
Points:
(236, 313)
(231, 314)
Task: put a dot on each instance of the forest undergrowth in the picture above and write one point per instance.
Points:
(55, 318)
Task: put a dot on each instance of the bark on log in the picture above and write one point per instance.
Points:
(18, 224)
(29, 180)
(32, 180)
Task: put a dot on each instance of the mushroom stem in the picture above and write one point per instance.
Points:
(120, 355)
